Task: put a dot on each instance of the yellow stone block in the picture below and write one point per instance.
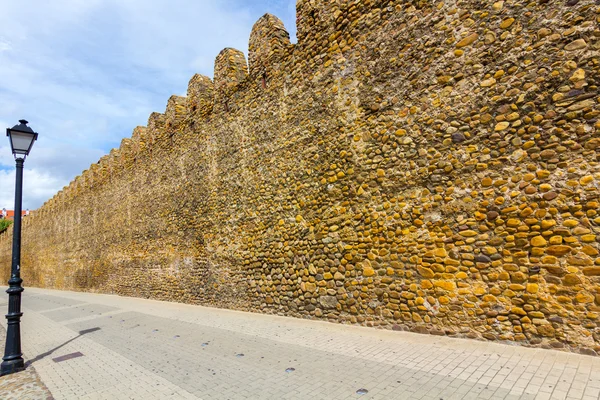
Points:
(507, 23)
(590, 251)
(440, 252)
(586, 180)
(446, 285)
(584, 297)
(556, 240)
(513, 222)
(503, 276)
(518, 311)
(467, 40)
(538, 241)
(501, 126)
(570, 223)
(426, 284)
(532, 288)
(368, 271)
(559, 250)
(537, 251)
(548, 223)
(588, 238)
(425, 272)
(542, 173)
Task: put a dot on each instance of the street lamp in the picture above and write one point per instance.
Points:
(21, 140)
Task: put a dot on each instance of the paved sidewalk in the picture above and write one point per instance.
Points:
(24, 385)
(90, 346)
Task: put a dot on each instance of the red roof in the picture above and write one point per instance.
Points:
(10, 214)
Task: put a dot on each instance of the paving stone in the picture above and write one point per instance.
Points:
(145, 349)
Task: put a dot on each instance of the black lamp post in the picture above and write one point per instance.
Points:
(21, 140)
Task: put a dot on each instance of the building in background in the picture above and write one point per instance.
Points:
(10, 214)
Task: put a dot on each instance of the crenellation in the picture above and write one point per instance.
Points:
(126, 153)
(267, 47)
(231, 71)
(200, 97)
(87, 179)
(78, 185)
(103, 175)
(60, 198)
(93, 175)
(140, 140)
(156, 122)
(114, 161)
(156, 132)
(69, 192)
(175, 112)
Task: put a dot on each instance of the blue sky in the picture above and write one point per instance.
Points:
(84, 73)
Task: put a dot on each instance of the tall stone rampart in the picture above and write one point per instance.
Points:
(422, 165)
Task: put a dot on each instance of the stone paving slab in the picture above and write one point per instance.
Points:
(144, 349)
(24, 385)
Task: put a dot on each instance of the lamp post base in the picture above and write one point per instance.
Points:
(13, 356)
(12, 366)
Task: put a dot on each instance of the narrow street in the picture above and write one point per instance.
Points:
(92, 346)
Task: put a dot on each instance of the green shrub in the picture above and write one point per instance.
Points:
(4, 224)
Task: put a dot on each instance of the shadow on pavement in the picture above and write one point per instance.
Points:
(46, 354)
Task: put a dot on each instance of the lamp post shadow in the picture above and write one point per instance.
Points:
(46, 354)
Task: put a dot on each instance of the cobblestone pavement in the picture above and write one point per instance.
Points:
(91, 346)
(24, 385)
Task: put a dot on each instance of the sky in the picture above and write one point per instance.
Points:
(85, 73)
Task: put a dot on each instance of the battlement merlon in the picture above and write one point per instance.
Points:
(156, 122)
(139, 138)
(175, 112)
(231, 70)
(126, 153)
(268, 42)
(92, 175)
(155, 129)
(79, 183)
(200, 96)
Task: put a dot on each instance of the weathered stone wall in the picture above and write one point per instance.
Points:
(410, 164)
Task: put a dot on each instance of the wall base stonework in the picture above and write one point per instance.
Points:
(416, 165)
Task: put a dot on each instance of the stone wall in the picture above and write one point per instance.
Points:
(422, 165)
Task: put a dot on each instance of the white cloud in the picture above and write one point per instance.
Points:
(46, 171)
(4, 45)
(86, 72)
(37, 188)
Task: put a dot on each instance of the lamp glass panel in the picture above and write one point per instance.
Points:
(21, 142)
